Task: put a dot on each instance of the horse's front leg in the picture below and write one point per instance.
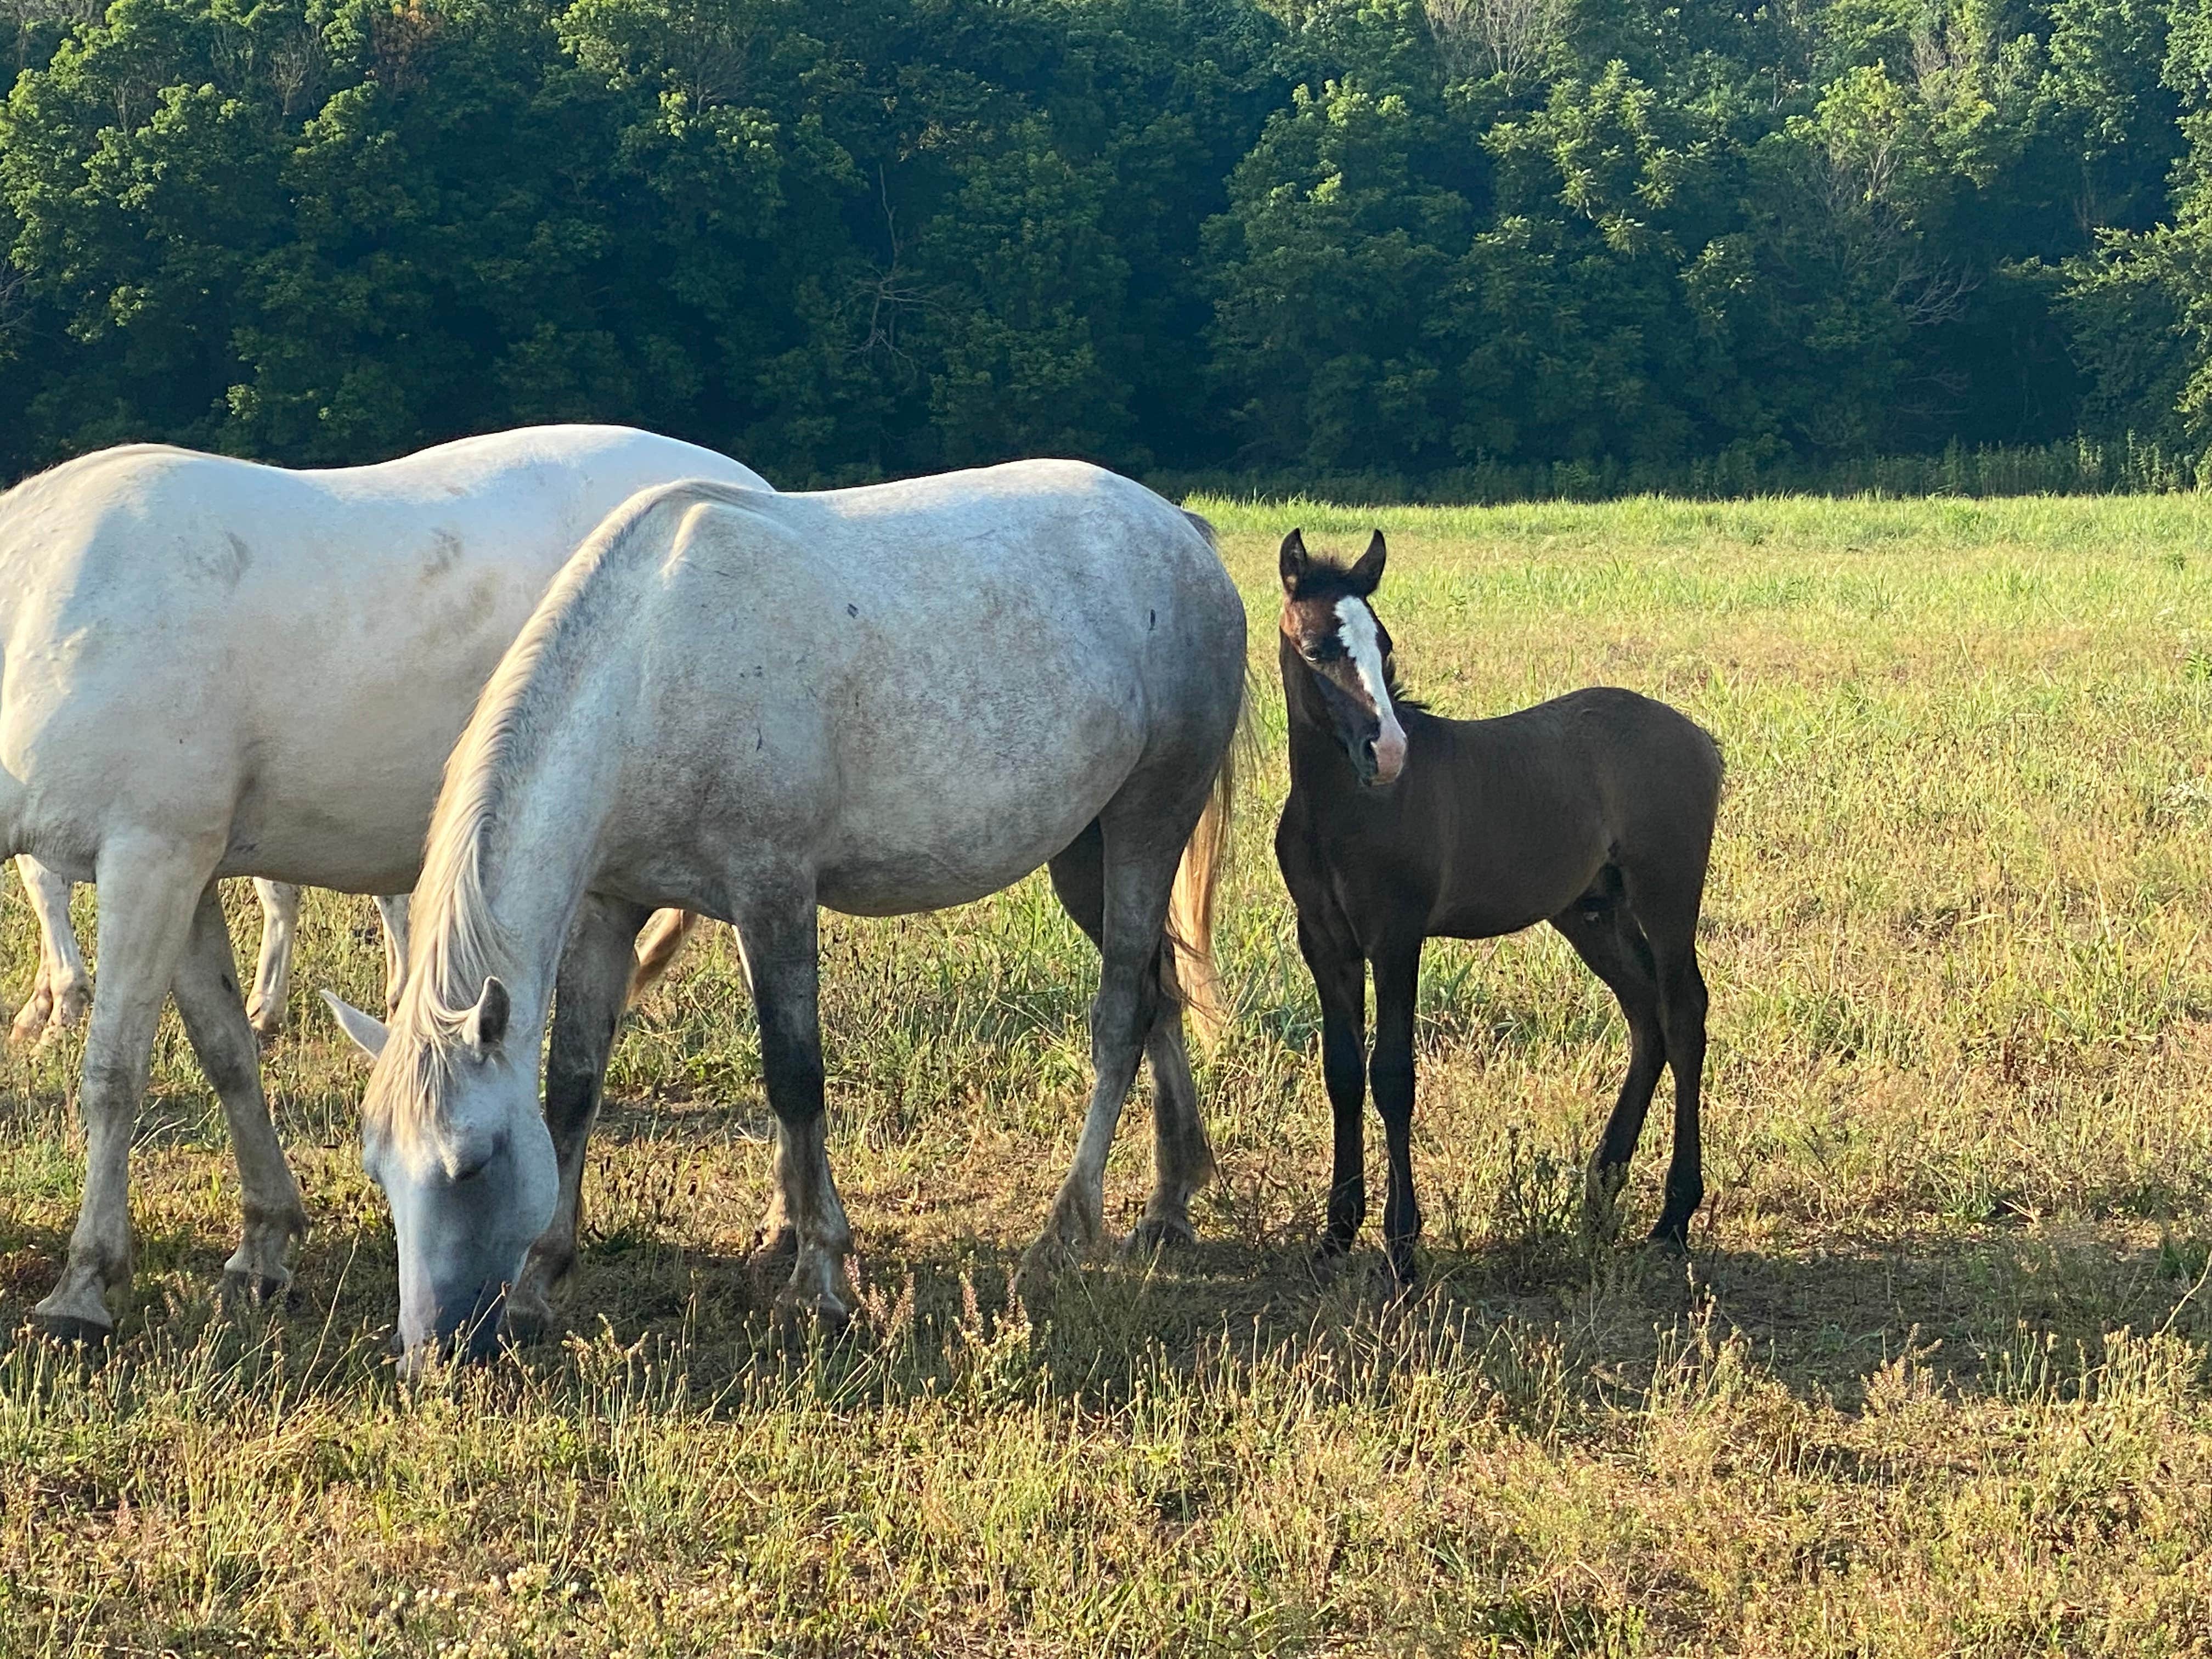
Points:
(782, 963)
(1397, 986)
(63, 990)
(1340, 980)
(148, 890)
(588, 998)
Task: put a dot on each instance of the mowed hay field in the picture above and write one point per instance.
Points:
(1932, 1380)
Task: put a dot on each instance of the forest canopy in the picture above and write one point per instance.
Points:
(845, 239)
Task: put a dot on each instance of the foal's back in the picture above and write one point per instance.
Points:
(1528, 809)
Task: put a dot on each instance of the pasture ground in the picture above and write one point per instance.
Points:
(1933, 1379)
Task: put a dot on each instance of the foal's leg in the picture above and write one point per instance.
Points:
(1141, 846)
(1341, 981)
(1182, 1159)
(1615, 949)
(215, 1023)
(392, 908)
(272, 974)
(63, 989)
(148, 892)
(1397, 988)
(588, 998)
(1669, 916)
(778, 933)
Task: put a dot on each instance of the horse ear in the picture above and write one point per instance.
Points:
(487, 1021)
(367, 1031)
(1294, 560)
(1367, 574)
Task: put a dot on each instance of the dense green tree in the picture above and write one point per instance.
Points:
(848, 238)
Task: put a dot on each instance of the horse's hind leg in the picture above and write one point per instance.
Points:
(224, 1042)
(1182, 1159)
(148, 892)
(657, 948)
(778, 933)
(1667, 912)
(392, 908)
(1614, 948)
(272, 973)
(63, 989)
(588, 998)
(1142, 840)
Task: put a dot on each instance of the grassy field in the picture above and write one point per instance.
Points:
(1933, 1379)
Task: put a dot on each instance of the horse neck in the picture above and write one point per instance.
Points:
(1316, 757)
(545, 801)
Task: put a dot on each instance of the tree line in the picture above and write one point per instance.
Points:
(1637, 240)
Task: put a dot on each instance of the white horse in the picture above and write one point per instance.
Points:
(212, 668)
(63, 990)
(882, 700)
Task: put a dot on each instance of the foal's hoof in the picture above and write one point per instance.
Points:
(67, 1331)
(1672, 1234)
(1157, 1233)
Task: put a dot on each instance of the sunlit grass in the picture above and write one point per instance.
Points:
(1957, 1139)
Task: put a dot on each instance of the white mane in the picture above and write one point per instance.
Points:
(457, 942)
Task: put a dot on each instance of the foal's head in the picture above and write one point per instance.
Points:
(1328, 622)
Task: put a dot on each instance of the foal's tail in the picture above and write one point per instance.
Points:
(1193, 976)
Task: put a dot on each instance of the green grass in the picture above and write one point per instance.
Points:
(1934, 1379)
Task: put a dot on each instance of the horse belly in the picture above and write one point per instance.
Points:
(935, 837)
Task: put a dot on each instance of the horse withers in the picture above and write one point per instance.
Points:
(881, 699)
(1593, 811)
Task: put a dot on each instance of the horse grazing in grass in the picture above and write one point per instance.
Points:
(211, 668)
(63, 989)
(882, 700)
(1593, 811)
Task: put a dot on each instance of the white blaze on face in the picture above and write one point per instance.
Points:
(1355, 626)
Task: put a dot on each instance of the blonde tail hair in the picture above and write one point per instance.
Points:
(1191, 973)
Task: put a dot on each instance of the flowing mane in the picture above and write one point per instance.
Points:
(457, 943)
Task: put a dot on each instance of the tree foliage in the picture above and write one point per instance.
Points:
(848, 238)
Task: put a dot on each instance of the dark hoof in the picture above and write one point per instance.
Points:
(1405, 1275)
(1672, 1235)
(527, 1330)
(71, 1332)
(257, 1291)
(774, 1251)
(1153, 1235)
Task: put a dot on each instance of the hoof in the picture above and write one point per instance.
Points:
(528, 1327)
(257, 1290)
(1157, 1233)
(1672, 1236)
(821, 1310)
(67, 1331)
(772, 1251)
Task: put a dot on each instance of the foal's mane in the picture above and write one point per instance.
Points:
(457, 942)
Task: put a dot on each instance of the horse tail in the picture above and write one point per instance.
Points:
(656, 946)
(1187, 970)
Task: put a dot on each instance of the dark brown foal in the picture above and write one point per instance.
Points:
(1593, 811)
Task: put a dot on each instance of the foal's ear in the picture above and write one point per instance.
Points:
(1294, 560)
(486, 1022)
(1367, 574)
